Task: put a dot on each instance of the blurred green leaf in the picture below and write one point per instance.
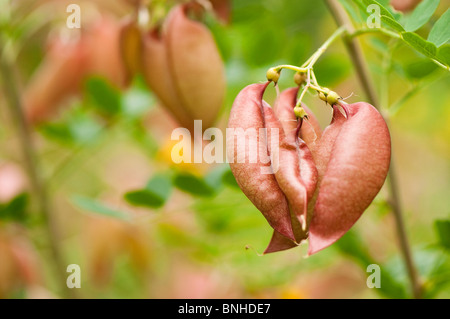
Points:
(392, 23)
(135, 101)
(432, 266)
(76, 127)
(57, 131)
(154, 195)
(94, 206)
(353, 247)
(443, 54)
(383, 10)
(443, 232)
(103, 95)
(192, 184)
(229, 180)
(348, 5)
(420, 44)
(144, 198)
(15, 209)
(440, 33)
(420, 68)
(421, 14)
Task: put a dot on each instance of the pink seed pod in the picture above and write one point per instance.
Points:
(262, 189)
(183, 67)
(353, 161)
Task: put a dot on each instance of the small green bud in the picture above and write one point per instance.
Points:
(300, 112)
(333, 98)
(273, 75)
(300, 78)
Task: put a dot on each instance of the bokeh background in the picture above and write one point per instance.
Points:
(194, 234)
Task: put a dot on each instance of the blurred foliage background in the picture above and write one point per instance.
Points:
(141, 227)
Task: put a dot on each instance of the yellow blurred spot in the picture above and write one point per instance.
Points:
(293, 293)
(165, 155)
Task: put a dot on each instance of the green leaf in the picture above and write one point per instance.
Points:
(15, 208)
(154, 195)
(103, 95)
(94, 206)
(383, 10)
(440, 33)
(443, 232)
(421, 14)
(192, 184)
(144, 198)
(420, 44)
(443, 54)
(392, 23)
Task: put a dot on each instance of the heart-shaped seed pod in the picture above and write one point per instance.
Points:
(183, 67)
(262, 189)
(353, 161)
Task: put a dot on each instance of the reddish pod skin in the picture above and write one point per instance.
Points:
(288, 173)
(353, 162)
(262, 189)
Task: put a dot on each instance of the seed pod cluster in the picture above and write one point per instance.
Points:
(180, 62)
(322, 182)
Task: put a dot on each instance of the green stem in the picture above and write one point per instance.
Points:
(374, 30)
(357, 56)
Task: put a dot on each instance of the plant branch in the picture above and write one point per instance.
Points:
(31, 166)
(364, 77)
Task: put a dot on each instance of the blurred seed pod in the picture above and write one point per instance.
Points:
(404, 5)
(68, 63)
(183, 67)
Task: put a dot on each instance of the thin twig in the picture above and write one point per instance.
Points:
(362, 70)
(31, 165)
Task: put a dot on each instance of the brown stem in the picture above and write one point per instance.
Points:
(31, 166)
(356, 54)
